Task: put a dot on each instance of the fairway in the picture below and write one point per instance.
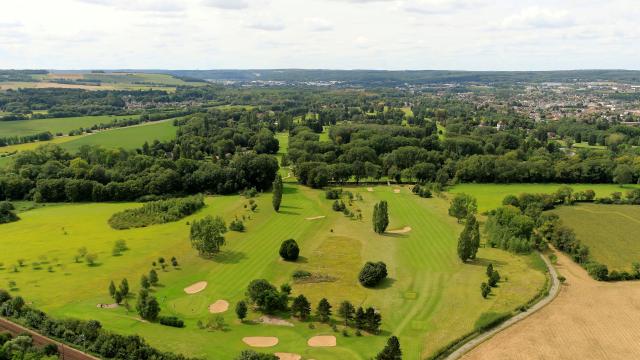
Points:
(490, 196)
(610, 232)
(131, 137)
(55, 125)
(429, 299)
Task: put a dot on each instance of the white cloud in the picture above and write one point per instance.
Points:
(437, 6)
(140, 5)
(266, 23)
(227, 4)
(394, 34)
(537, 17)
(318, 24)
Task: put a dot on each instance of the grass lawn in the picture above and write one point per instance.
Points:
(610, 231)
(63, 125)
(34, 145)
(429, 299)
(490, 196)
(585, 145)
(128, 138)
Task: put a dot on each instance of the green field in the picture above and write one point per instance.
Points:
(128, 138)
(429, 299)
(63, 125)
(490, 196)
(610, 232)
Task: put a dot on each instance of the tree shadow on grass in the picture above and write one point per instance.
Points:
(287, 212)
(395, 235)
(229, 257)
(384, 284)
(485, 262)
(287, 190)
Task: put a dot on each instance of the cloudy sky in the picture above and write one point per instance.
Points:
(331, 34)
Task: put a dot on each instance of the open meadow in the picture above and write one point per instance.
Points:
(55, 125)
(490, 196)
(429, 299)
(610, 232)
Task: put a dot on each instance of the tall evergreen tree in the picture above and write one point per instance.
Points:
(277, 193)
(301, 307)
(391, 351)
(474, 226)
(347, 311)
(112, 289)
(324, 310)
(380, 217)
(469, 239)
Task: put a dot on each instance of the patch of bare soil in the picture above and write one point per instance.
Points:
(195, 288)
(370, 189)
(219, 306)
(107, 306)
(404, 230)
(271, 320)
(397, 191)
(260, 341)
(322, 341)
(315, 217)
(587, 320)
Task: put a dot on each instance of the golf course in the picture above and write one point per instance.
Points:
(429, 298)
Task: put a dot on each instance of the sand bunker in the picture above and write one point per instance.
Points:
(107, 306)
(315, 217)
(288, 356)
(219, 306)
(370, 189)
(195, 288)
(260, 341)
(322, 341)
(404, 230)
(397, 191)
(266, 319)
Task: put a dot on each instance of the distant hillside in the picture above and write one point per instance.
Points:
(391, 78)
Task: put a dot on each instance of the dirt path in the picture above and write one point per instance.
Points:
(66, 352)
(553, 292)
(588, 320)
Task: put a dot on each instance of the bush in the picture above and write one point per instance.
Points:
(156, 212)
(333, 194)
(372, 274)
(289, 250)
(7, 214)
(338, 205)
(494, 278)
(301, 274)
(237, 225)
(485, 290)
(171, 321)
(490, 320)
(597, 271)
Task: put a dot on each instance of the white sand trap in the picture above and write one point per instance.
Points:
(107, 306)
(322, 341)
(288, 356)
(315, 218)
(260, 341)
(270, 320)
(195, 288)
(404, 230)
(370, 189)
(397, 191)
(219, 306)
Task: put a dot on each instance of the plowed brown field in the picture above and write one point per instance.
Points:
(588, 320)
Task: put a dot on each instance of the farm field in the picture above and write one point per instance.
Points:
(55, 125)
(490, 196)
(610, 232)
(588, 320)
(131, 137)
(429, 299)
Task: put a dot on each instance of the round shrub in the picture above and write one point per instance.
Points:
(289, 250)
(372, 274)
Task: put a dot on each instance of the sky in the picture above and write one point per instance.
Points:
(320, 34)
